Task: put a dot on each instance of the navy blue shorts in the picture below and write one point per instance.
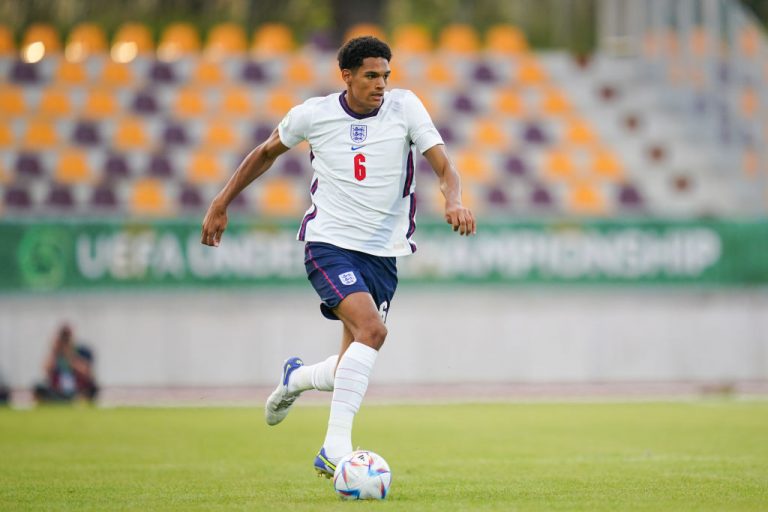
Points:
(335, 273)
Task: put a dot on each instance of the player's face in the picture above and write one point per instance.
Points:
(366, 84)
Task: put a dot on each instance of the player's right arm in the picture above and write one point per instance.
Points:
(254, 165)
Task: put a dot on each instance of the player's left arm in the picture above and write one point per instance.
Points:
(456, 214)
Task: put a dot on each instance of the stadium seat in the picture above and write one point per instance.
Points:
(131, 40)
(750, 41)
(162, 72)
(5, 176)
(580, 132)
(279, 102)
(483, 73)
(117, 74)
(190, 102)
(25, 73)
(175, 134)
(73, 167)
(54, 102)
(130, 134)
(292, 166)
(554, 102)
(497, 197)
(298, 72)
(530, 72)
(629, 197)
(205, 168)
(40, 134)
(508, 102)
(7, 44)
(226, 40)
(261, 132)
(221, 135)
(516, 166)
(59, 197)
(160, 166)
(178, 40)
(12, 101)
(364, 29)
(278, 198)
(145, 103)
(148, 197)
(29, 165)
(254, 72)
(85, 40)
(190, 198)
(236, 102)
(506, 40)
(86, 133)
(116, 167)
(749, 102)
(473, 166)
(411, 38)
(273, 39)
(463, 103)
(587, 199)
(439, 73)
(606, 165)
(100, 103)
(541, 197)
(459, 39)
(558, 165)
(103, 198)
(70, 73)
(6, 136)
(487, 133)
(207, 73)
(17, 197)
(39, 40)
(534, 133)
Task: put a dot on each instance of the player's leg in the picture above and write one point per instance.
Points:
(364, 335)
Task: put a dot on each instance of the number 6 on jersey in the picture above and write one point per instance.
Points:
(359, 167)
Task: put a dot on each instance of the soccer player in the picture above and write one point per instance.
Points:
(361, 218)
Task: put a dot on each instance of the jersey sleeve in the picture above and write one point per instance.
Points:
(294, 126)
(421, 129)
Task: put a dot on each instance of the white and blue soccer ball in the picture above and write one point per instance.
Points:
(362, 475)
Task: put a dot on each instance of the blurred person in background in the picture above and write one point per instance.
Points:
(69, 371)
(362, 217)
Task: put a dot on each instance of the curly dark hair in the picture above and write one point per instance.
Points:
(351, 55)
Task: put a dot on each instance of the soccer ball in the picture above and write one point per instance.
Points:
(362, 475)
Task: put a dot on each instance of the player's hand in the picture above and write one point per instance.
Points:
(214, 224)
(461, 219)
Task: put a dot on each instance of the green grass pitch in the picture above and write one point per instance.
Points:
(699, 455)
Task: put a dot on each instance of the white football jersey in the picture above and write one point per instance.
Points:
(363, 184)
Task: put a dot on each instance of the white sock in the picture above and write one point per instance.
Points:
(350, 385)
(315, 376)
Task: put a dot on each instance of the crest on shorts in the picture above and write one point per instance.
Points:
(358, 133)
(348, 278)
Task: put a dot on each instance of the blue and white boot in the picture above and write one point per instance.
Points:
(280, 401)
(323, 465)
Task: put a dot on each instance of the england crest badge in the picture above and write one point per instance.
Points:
(358, 133)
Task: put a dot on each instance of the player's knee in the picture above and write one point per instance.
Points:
(373, 334)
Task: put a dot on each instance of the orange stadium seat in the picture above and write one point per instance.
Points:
(505, 39)
(117, 74)
(221, 135)
(7, 45)
(439, 73)
(749, 40)
(208, 72)
(580, 132)
(555, 102)
(279, 102)
(44, 34)
(459, 38)
(487, 133)
(364, 29)
(236, 102)
(473, 166)
(205, 168)
(12, 101)
(273, 39)
(226, 40)
(411, 38)
(558, 165)
(190, 102)
(530, 72)
(130, 133)
(606, 165)
(587, 199)
(54, 101)
(84, 40)
(5, 176)
(71, 73)
(131, 40)
(508, 102)
(40, 134)
(6, 136)
(178, 40)
(148, 197)
(73, 167)
(749, 102)
(100, 103)
(299, 71)
(279, 198)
